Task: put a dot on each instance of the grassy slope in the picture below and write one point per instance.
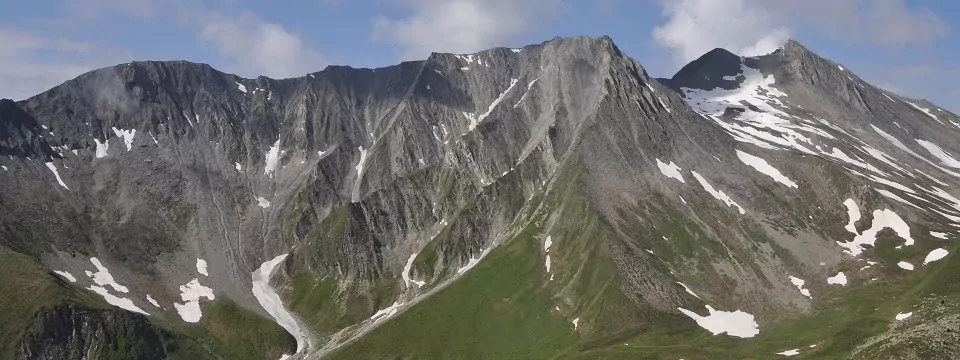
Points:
(238, 333)
(227, 331)
(510, 319)
(28, 290)
(504, 307)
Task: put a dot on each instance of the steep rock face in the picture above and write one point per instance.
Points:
(77, 333)
(21, 135)
(387, 185)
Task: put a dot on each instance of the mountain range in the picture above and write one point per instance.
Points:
(551, 201)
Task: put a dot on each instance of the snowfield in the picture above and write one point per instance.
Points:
(270, 301)
(736, 323)
(191, 293)
(762, 166)
(670, 170)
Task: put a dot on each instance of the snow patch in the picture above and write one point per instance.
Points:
(903, 316)
(241, 87)
(882, 219)
(790, 352)
(934, 255)
(202, 267)
(663, 104)
(524, 96)
(736, 323)
(547, 243)
(102, 147)
(262, 202)
(798, 282)
(841, 156)
(191, 293)
(853, 213)
(386, 313)
(687, 288)
(103, 277)
(267, 297)
(127, 136)
(359, 167)
(670, 170)
(117, 301)
(272, 159)
(925, 111)
(896, 142)
(905, 265)
(937, 152)
(768, 124)
(477, 120)
(474, 261)
(719, 195)
(893, 196)
(237, 166)
(576, 323)
(939, 235)
(66, 275)
(406, 273)
(762, 166)
(152, 301)
(53, 168)
(839, 279)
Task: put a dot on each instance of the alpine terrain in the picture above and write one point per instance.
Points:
(547, 202)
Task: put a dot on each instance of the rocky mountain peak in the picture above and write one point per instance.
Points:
(716, 68)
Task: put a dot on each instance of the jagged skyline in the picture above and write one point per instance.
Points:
(900, 45)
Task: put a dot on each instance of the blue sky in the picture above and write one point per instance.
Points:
(909, 47)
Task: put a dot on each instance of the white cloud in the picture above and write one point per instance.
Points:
(695, 27)
(247, 44)
(750, 27)
(256, 47)
(461, 26)
(33, 63)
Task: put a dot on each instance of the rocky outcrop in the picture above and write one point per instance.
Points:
(70, 332)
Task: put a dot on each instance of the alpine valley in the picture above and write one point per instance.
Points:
(547, 202)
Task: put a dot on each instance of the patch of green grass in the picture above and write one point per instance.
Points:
(227, 331)
(326, 306)
(506, 308)
(497, 310)
(28, 290)
(244, 334)
(842, 319)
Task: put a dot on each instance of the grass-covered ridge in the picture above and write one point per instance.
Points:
(507, 307)
(42, 312)
(28, 290)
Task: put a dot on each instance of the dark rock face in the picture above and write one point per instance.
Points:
(357, 172)
(78, 333)
(718, 68)
(21, 135)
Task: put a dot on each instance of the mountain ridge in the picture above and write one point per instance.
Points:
(391, 189)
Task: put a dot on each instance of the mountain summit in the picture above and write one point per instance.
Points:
(550, 201)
